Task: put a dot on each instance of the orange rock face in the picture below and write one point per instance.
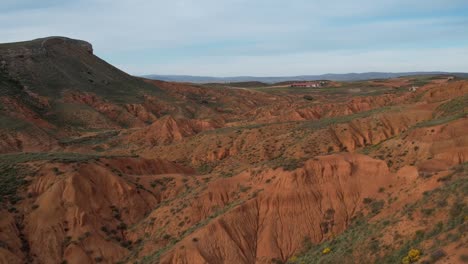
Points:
(315, 202)
(167, 130)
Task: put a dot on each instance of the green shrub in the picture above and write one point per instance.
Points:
(11, 178)
(122, 226)
(464, 258)
(376, 206)
(427, 211)
(204, 169)
(437, 255)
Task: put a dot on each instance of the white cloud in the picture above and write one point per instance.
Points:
(133, 32)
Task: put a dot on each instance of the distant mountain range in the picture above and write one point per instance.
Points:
(329, 76)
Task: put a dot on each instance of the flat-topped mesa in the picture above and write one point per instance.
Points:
(52, 41)
(41, 46)
(49, 66)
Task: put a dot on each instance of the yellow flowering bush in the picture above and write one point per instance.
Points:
(326, 250)
(413, 256)
(405, 260)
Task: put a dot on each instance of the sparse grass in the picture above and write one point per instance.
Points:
(286, 89)
(421, 80)
(441, 120)
(15, 158)
(359, 242)
(154, 257)
(457, 189)
(373, 148)
(453, 107)
(287, 164)
(251, 84)
(342, 246)
(376, 206)
(99, 138)
(11, 178)
(13, 124)
(12, 172)
(324, 122)
(205, 169)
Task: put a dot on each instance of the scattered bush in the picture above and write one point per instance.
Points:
(276, 261)
(57, 171)
(122, 226)
(438, 254)
(205, 169)
(427, 212)
(413, 256)
(376, 206)
(115, 212)
(243, 188)
(456, 209)
(445, 178)
(374, 245)
(436, 230)
(126, 244)
(67, 240)
(292, 259)
(11, 179)
(288, 164)
(329, 213)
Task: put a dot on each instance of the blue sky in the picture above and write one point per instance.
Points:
(253, 37)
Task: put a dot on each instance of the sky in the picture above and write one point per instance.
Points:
(253, 37)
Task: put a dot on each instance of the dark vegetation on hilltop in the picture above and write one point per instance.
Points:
(60, 63)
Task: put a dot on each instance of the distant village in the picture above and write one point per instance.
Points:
(314, 84)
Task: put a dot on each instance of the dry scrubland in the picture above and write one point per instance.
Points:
(97, 166)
